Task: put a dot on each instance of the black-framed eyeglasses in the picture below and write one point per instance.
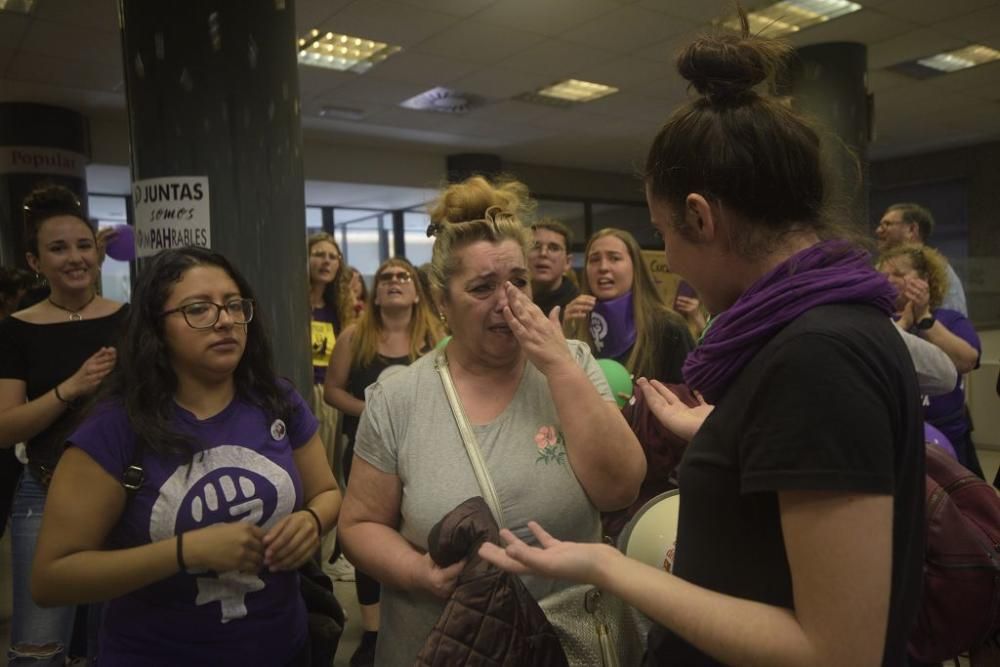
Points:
(205, 314)
(387, 277)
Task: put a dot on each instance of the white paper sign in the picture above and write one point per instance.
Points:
(171, 212)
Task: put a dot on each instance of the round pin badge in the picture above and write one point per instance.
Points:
(278, 429)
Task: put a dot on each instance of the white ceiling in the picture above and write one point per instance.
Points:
(68, 52)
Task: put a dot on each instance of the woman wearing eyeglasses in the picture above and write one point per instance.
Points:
(396, 327)
(192, 493)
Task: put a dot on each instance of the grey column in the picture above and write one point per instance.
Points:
(39, 144)
(213, 91)
(829, 82)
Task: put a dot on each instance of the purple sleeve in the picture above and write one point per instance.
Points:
(303, 424)
(106, 436)
(961, 326)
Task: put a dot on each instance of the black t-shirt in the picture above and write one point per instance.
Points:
(43, 355)
(560, 296)
(830, 404)
(672, 342)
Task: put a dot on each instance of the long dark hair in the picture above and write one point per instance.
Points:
(144, 379)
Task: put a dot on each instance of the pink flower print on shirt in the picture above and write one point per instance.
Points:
(551, 445)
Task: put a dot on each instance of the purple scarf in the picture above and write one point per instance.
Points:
(828, 272)
(612, 326)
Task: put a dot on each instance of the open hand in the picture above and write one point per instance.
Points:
(540, 337)
(917, 292)
(580, 307)
(671, 411)
(574, 561)
(89, 375)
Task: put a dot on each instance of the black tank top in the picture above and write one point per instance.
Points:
(361, 378)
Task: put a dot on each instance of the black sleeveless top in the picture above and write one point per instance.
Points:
(361, 378)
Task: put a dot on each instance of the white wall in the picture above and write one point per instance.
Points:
(984, 404)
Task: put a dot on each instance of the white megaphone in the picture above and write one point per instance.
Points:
(650, 535)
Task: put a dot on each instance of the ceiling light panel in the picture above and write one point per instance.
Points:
(345, 53)
(17, 6)
(959, 59)
(789, 16)
(575, 90)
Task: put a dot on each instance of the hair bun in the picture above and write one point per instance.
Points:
(726, 68)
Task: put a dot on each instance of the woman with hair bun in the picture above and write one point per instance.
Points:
(620, 313)
(800, 537)
(53, 356)
(550, 433)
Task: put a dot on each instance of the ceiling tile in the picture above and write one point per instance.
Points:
(477, 41)
(548, 17)
(699, 11)
(975, 25)
(501, 81)
(881, 80)
(311, 14)
(62, 40)
(315, 81)
(628, 30)
(364, 90)
(864, 26)
(100, 14)
(389, 22)
(930, 12)
(455, 7)
(667, 50)
(624, 73)
(67, 73)
(914, 44)
(982, 81)
(422, 69)
(12, 29)
(6, 56)
(554, 59)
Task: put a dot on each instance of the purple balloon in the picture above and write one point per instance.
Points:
(122, 244)
(936, 437)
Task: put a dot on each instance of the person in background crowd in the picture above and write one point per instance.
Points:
(912, 223)
(801, 526)
(620, 313)
(332, 305)
(550, 433)
(687, 303)
(14, 283)
(206, 484)
(395, 329)
(919, 274)
(550, 261)
(359, 290)
(53, 355)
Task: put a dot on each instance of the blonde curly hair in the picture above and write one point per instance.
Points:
(929, 264)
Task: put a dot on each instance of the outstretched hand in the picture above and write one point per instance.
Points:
(671, 411)
(574, 561)
(540, 337)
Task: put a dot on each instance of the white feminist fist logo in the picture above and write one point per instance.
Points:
(598, 329)
(233, 495)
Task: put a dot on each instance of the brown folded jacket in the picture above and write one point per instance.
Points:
(490, 618)
(663, 449)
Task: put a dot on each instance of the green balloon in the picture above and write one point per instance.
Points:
(442, 342)
(619, 379)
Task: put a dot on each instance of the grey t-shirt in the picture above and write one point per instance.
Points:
(408, 430)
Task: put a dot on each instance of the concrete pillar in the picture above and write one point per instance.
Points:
(213, 92)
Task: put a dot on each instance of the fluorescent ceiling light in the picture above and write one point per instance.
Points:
(952, 61)
(342, 52)
(788, 16)
(574, 90)
(17, 6)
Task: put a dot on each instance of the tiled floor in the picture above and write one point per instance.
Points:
(990, 460)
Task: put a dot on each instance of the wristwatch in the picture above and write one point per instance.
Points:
(926, 323)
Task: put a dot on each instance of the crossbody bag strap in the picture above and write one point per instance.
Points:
(469, 439)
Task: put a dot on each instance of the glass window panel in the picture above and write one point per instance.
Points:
(570, 213)
(633, 218)
(358, 232)
(116, 276)
(418, 245)
(314, 219)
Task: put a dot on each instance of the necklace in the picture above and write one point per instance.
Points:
(74, 315)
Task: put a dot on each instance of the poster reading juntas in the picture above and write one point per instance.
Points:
(171, 212)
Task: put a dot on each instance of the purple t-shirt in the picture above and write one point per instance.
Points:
(243, 471)
(946, 411)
